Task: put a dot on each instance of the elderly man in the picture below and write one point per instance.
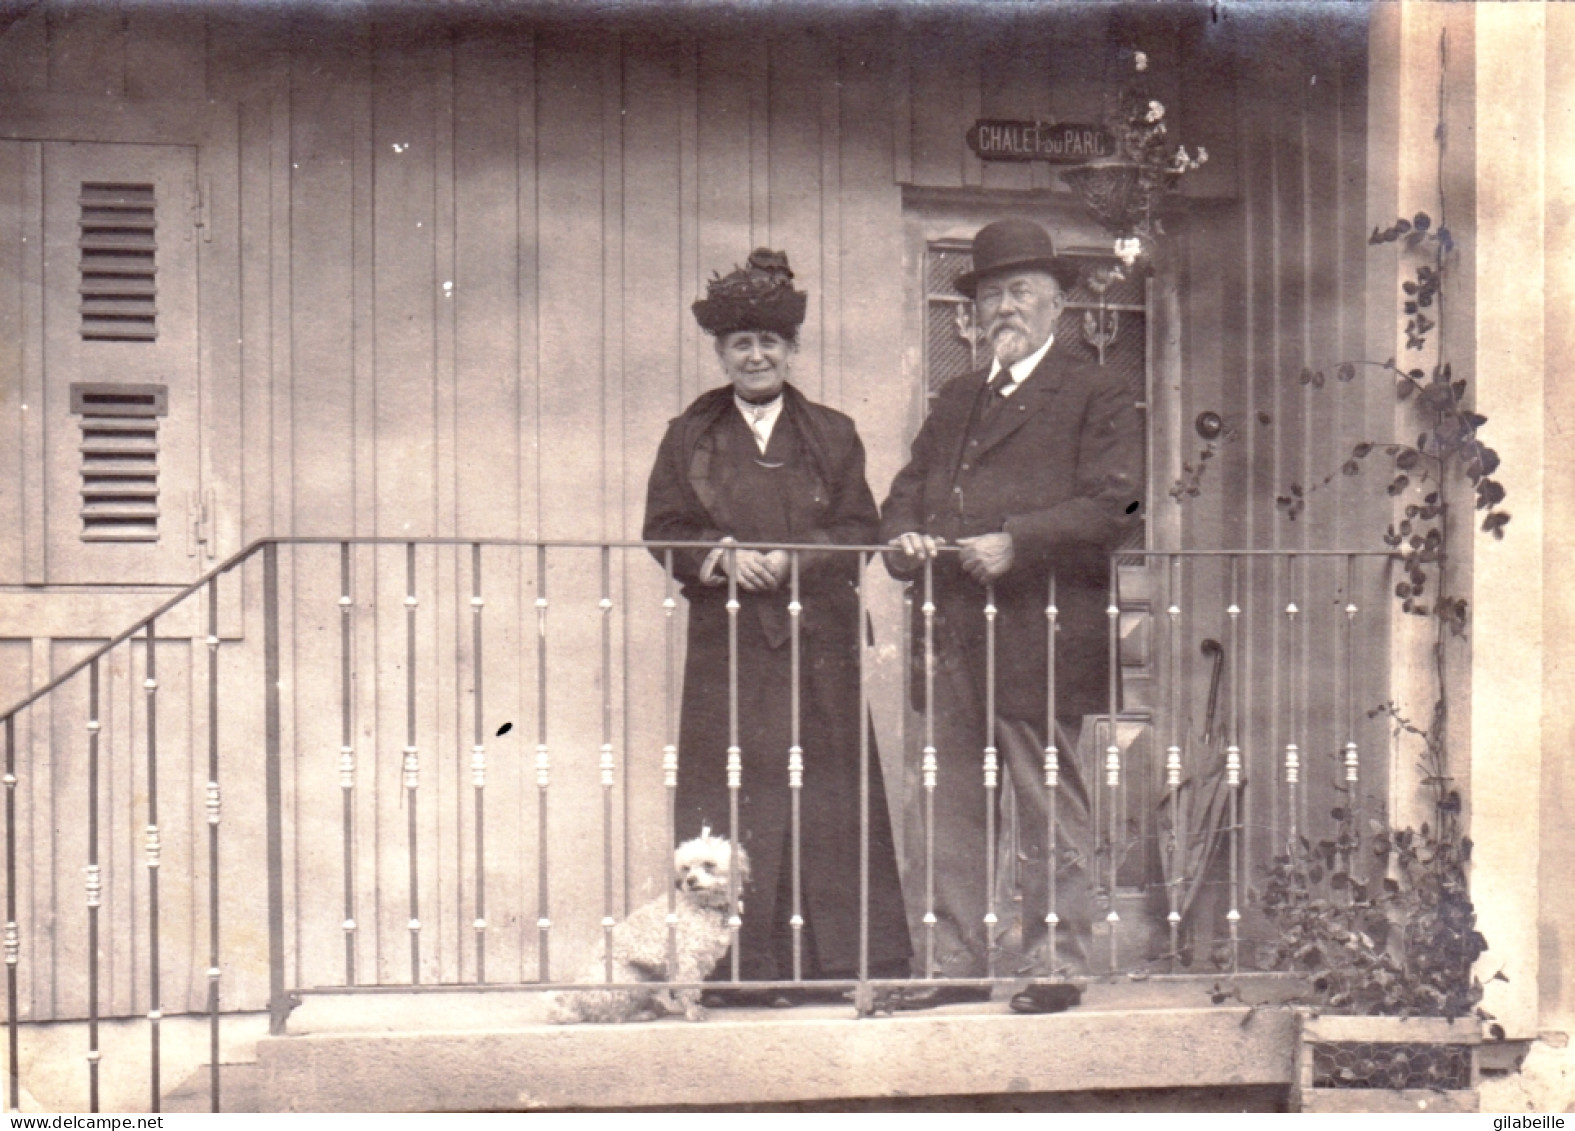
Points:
(1024, 472)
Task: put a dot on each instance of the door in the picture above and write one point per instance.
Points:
(119, 360)
(1107, 320)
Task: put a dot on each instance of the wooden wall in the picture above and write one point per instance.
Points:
(466, 247)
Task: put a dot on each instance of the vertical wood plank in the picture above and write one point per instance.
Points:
(15, 228)
(87, 49)
(405, 67)
(657, 326)
(322, 97)
(572, 245)
(528, 351)
(166, 52)
(443, 785)
(24, 52)
(320, 269)
(39, 792)
(16, 672)
(901, 91)
(691, 276)
(1012, 84)
(830, 89)
(726, 73)
(35, 565)
(946, 68)
(487, 100)
(798, 187)
(864, 237)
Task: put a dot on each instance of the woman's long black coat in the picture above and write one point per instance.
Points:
(826, 500)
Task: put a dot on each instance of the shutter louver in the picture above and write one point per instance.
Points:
(118, 244)
(120, 452)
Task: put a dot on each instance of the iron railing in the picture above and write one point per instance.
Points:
(1181, 821)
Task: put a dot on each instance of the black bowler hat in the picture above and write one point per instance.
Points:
(1015, 245)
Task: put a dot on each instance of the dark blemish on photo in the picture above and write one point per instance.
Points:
(504, 729)
(1132, 507)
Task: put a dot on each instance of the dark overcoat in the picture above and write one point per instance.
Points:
(819, 496)
(1059, 467)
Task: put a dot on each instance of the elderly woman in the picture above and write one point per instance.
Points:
(757, 461)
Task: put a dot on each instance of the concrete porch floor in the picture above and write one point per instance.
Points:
(494, 1052)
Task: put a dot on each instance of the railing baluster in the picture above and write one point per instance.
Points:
(278, 1000)
(1174, 855)
(605, 604)
(95, 886)
(1233, 764)
(991, 779)
(347, 761)
(735, 761)
(1293, 674)
(864, 782)
(478, 766)
(670, 750)
(1113, 756)
(1052, 783)
(213, 811)
(543, 771)
(796, 768)
(1352, 753)
(155, 1013)
(929, 767)
(13, 937)
(412, 765)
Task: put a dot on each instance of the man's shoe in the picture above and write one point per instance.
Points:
(928, 997)
(1047, 999)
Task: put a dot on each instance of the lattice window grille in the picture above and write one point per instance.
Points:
(119, 273)
(1109, 322)
(120, 460)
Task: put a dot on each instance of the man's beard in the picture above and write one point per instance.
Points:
(1010, 343)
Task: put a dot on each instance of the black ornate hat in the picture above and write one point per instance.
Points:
(1015, 245)
(757, 296)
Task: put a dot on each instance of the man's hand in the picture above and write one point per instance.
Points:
(986, 557)
(911, 550)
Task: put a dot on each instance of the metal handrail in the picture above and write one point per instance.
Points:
(240, 557)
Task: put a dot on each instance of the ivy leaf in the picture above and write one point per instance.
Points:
(1347, 371)
(1422, 221)
(1400, 483)
(1362, 450)
(1407, 459)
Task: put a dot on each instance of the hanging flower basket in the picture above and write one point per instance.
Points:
(1112, 192)
(1386, 1064)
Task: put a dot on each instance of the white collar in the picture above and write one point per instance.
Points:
(1021, 368)
(761, 418)
(753, 412)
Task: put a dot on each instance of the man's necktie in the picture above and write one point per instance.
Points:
(994, 403)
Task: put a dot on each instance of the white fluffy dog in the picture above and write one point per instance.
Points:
(640, 943)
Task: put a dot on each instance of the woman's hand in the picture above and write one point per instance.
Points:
(756, 572)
